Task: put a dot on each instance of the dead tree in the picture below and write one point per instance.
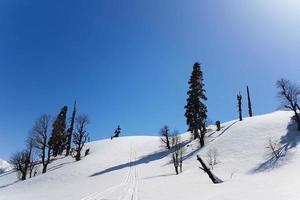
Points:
(40, 136)
(289, 95)
(165, 136)
(249, 103)
(177, 152)
(239, 99)
(80, 136)
(212, 177)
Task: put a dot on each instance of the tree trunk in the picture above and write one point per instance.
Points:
(196, 133)
(213, 178)
(23, 176)
(201, 141)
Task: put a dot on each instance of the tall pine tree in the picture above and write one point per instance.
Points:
(70, 131)
(196, 110)
(58, 136)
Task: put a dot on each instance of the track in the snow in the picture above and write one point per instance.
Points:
(126, 190)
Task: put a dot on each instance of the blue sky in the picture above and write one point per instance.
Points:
(128, 62)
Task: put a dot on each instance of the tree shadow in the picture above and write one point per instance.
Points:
(287, 142)
(158, 176)
(7, 173)
(143, 160)
(9, 184)
(55, 167)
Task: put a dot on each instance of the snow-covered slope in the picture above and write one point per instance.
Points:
(137, 168)
(4, 166)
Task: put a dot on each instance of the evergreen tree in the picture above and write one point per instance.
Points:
(196, 110)
(239, 99)
(249, 103)
(58, 137)
(70, 131)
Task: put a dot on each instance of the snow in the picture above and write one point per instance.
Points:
(137, 168)
(4, 166)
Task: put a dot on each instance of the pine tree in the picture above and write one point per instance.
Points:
(249, 103)
(58, 137)
(196, 110)
(70, 131)
(239, 99)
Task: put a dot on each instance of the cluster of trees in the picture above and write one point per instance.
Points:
(51, 138)
(173, 143)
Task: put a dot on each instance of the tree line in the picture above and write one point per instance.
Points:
(50, 138)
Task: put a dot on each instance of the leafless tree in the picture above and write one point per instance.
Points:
(165, 136)
(289, 94)
(19, 160)
(274, 147)
(40, 135)
(177, 152)
(212, 158)
(80, 135)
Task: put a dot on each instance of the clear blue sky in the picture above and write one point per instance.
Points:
(128, 62)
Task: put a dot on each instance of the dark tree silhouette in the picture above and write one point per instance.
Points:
(40, 137)
(117, 133)
(70, 131)
(196, 110)
(218, 125)
(165, 136)
(80, 136)
(21, 161)
(239, 99)
(58, 137)
(289, 95)
(249, 103)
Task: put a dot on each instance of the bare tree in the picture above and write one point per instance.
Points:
(40, 135)
(177, 152)
(165, 136)
(80, 136)
(19, 162)
(212, 157)
(289, 95)
(274, 147)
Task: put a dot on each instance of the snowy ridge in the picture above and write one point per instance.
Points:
(137, 168)
(4, 166)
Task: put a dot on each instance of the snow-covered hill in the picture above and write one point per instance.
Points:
(137, 168)
(4, 166)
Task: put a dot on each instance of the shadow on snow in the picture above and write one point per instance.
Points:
(143, 160)
(287, 142)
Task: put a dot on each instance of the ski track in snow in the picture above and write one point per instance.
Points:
(126, 190)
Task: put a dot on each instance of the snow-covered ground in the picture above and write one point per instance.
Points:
(4, 166)
(137, 168)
